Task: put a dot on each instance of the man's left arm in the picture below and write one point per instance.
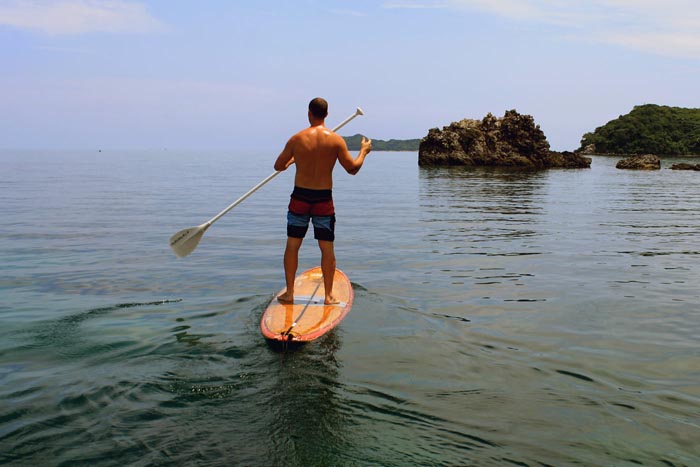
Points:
(350, 164)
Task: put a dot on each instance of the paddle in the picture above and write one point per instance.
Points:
(186, 240)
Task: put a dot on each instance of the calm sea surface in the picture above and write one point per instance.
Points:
(526, 319)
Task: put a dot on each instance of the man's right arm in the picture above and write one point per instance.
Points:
(350, 164)
(286, 157)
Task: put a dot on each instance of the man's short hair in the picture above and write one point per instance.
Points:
(318, 107)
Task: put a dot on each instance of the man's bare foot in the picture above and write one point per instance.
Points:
(286, 297)
(331, 300)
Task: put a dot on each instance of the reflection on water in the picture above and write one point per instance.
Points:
(492, 215)
(475, 211)
(305, 407)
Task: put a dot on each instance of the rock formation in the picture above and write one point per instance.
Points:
(588, 150)
(644, 162)
(512, 141)
(685, 166)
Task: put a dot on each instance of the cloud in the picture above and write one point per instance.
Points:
(78, 16)
(667, 28)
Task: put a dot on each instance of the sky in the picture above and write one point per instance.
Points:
(235, 74)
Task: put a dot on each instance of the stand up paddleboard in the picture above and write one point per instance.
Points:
(308, 318)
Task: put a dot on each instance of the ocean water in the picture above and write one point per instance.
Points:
(500, 318)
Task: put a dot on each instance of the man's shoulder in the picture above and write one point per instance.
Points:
(303, 135)
(298, 139)
(300, 134)
(318, 135)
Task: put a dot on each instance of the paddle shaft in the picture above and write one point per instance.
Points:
(271, 176)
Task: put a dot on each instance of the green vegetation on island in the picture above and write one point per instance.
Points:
(648, 129)
(353, 143)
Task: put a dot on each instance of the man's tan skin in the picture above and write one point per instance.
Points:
(315, 151)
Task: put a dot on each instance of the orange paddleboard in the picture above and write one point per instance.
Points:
(308, 317)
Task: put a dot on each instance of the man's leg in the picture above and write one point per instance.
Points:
(291, 262)
(328, 269)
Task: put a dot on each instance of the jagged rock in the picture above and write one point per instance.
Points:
(587, 150)
(568, 160)
(685, 166)
(643, 162)
(512, 141)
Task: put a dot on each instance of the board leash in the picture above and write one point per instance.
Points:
(288, 332)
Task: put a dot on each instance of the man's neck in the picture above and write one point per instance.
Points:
(317, 122)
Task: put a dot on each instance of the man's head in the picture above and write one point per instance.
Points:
(318, 107)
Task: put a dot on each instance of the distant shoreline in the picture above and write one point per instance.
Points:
(354, 142)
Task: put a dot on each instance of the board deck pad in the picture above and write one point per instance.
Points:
(308, 318)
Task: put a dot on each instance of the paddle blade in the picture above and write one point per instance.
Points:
(185, 241)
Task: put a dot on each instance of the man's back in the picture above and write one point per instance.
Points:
(315, 151)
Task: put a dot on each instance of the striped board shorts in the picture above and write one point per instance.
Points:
(315, 205)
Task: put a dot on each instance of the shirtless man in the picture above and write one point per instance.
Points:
(315, 151)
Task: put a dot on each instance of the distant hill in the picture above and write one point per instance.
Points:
(648, 129)
(353, 143)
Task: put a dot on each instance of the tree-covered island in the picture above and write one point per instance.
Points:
(647, 129)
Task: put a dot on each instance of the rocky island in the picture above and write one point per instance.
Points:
(685, 166)
(642, 162)
(511, 141)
